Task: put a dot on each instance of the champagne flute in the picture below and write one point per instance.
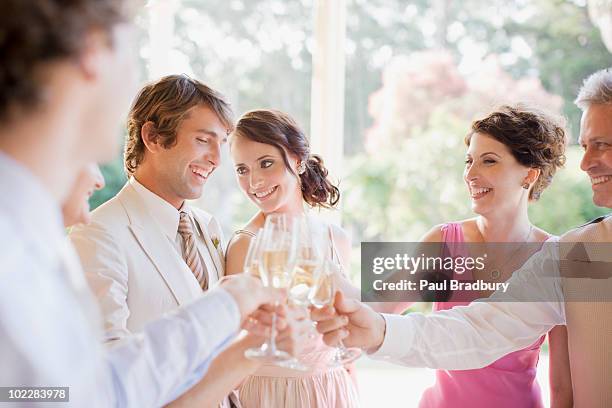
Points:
(308, 260)
(276, 260)
(251, 262)
(251, 266)
(321, 295)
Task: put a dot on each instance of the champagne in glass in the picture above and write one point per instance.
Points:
(277, 259)
(308, 261)
(301, 278)
(251, 262)
(321, 295)
(302, 281)
(274, 263)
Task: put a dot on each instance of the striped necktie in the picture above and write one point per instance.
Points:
(190, 251)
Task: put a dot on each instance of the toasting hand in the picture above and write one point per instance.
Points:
(250, 294)
(294, 329)
(350, 321)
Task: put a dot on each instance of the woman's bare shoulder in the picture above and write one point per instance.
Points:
(236, 253)
(433, 235)
(468, 227)
(254, 224)
(239, 244)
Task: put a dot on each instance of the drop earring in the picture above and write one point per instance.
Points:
(301, 168)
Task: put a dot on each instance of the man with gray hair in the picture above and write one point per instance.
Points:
(569, 282)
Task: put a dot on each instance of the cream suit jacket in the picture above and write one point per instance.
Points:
(134, 270)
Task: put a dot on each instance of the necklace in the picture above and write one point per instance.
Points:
(496, 272)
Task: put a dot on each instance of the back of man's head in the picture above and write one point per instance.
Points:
(37, 33)
(165, 103)
(596, 90)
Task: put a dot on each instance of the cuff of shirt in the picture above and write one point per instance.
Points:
(217, 312)
(399, 336)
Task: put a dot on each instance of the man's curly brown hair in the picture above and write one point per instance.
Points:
(36, 32)
(535, 139)
(166, 102)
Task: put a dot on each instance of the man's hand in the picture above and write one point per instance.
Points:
(294, 330)
(352, 322)
(249, 294)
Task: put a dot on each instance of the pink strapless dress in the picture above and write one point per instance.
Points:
(509, 382)
(319, 387)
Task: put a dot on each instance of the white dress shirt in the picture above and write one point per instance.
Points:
(168, 219)
(47, 337)
(474, 336)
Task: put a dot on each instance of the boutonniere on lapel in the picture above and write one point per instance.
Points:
(217, 244)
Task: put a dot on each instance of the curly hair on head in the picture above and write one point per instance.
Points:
(535, 139)
(278, 129)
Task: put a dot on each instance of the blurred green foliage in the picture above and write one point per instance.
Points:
(115, 178)
(258, 53)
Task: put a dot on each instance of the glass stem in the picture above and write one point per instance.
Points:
(340, 349)
(273, 334)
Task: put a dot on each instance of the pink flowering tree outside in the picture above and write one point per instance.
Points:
(409, 177)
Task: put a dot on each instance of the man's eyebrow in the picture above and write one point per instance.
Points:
(207, 132)
(592, 140)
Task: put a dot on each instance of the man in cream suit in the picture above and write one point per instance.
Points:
(131, 255)
(132, 251)
(147, 251)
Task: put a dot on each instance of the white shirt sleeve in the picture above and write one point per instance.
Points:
(173, 353)
(474, 336)
(47, 339)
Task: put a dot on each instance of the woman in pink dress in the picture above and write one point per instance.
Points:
(277, 172)
(511, 158)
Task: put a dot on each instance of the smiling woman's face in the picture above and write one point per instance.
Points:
(493, 176)
(263, 176)
(76, 207)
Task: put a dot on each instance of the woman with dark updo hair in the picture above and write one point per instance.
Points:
(279, 174)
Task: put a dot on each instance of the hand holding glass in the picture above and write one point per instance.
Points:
(321, 295)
